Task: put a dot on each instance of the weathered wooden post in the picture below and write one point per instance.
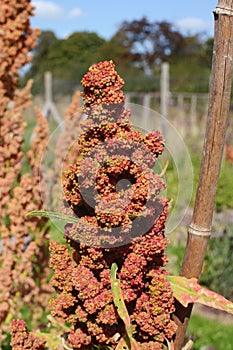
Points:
(193, 115)
(49, 106)
(220, 90)
(164, 92)
(127, 97)
(146, 109)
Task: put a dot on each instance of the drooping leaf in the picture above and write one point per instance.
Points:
(188, 290)
(54, 216)
(123, 344)
(118, 297)
(127, 342)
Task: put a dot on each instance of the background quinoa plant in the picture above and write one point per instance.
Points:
(23, 257)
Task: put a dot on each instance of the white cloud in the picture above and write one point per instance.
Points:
(75, 13)
(192, 24)
(47, 9)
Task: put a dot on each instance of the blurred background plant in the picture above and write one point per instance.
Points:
(23, 261)
(218, 266)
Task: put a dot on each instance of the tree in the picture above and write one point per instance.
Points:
(150, 42)
(45, 44)
(190, 67)
(137, 48)
(140, 46)
(67, 59)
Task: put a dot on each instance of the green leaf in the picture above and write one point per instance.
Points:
(124, 344)
(54, 216)
(118, 297)
(127, 342)
(53, 341)
(187, 290)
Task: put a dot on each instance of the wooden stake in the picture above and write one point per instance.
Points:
(49, 106)
(164, 93)
(218, 111)
(164, 89)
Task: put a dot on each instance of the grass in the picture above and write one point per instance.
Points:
(224, 195)
(206, 332)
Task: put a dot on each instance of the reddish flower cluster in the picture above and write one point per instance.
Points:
(21, 339)
(114, 192)
(102, 85)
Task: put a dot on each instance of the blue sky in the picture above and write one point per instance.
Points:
(104, 17)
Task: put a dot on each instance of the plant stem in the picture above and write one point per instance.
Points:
(217, 122)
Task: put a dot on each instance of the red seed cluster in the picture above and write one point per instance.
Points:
(115, 193)
(102, 85)
(154, 142)
(86, 298)
(21, 339)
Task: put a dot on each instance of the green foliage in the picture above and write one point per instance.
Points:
(224, 194)
(224, 197)
(171, 178)
(118, 297)
(127, 342)
(138, 47)
(45, 42)
(150, 41)
(54, 216)
(218, 265)
(185, 79)
(175, 254)
(67, 59)
(53, 341)
(190, 67)
(209, 332)
(74, 55)
(6, 343)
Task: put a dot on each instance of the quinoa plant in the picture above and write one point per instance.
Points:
(113, 192)
(22, 284)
